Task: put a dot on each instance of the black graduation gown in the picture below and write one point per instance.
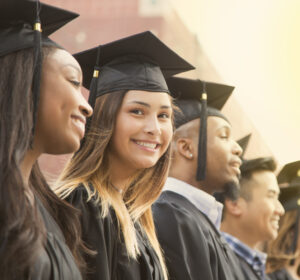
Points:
(281, 274)
(248, 271)
(102, 235)
(56, 261)
(193, 247)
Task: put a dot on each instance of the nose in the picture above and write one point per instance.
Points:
(85, 108)
(236, 149)
(279, 209)
(152, 126)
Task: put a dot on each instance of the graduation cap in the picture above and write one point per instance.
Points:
(198, 99)
(27, 24)
(243, 142)
(137, 62)
(290, 194)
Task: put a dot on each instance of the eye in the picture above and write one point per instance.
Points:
(225, 137)
(137, 112)
(75, 83)
(164, 116)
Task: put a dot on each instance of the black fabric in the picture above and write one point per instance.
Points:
(17, 19)
(193, 247)
(55, 261)
(131, 72)
(281, 274)
(102, 235)
(121, 72)
(290, 173)
(243, 142)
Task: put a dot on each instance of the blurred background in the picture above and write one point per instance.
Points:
(253, 45)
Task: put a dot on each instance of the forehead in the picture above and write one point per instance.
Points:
(265, 180)
(216, 123)
(60, 59)
(149, 97)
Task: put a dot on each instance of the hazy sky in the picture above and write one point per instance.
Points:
(255, 45)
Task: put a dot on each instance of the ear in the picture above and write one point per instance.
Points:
(234, 208)
(185, 148)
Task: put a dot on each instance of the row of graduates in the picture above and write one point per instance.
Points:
(114, 213)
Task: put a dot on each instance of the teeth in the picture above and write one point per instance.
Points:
(148, 145)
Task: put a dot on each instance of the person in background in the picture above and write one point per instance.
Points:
(42, 110)
(205, 159)
(283, 253)
(253, 216)
(123, 162)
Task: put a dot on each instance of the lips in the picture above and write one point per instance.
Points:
(148, 145)
(79, 123)
(235, 164)
(275, 223)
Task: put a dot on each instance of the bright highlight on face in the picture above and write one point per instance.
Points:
(62, 107)
(143, 130)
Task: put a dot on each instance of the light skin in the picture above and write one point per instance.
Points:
(62, 110)
(142, 134)
(223, 153)
(257, 219)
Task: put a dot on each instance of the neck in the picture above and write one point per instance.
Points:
(120, 176)
(186, 174)
(235, 230)
(26, 166)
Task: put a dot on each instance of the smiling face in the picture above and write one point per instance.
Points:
(143, 130)
(223, 153)
(62, 108)
(261, 214)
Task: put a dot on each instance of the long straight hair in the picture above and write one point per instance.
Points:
(142, 190)
(280, 251)
(22, 231)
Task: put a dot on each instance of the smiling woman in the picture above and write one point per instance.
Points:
(121, 167)
(38, 100)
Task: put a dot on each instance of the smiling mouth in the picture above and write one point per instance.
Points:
(80, 124)
(149, 145)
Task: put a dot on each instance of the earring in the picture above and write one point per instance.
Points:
(191, 155)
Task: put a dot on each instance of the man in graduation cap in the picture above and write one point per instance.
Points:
(253, 217)
(205, 159)
(283, 253)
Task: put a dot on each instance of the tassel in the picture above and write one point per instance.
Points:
(202, 144)
(37, 71)
(93, 94)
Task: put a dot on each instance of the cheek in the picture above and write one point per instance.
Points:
(167, 133)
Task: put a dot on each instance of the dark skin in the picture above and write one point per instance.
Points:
(62, 110)
(223, 153)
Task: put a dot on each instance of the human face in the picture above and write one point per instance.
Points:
(143, 130)
(223, 155)
(261, 214)
(62, 108)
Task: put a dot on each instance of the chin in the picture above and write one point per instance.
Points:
(143, 164)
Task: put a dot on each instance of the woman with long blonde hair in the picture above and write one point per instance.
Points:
(283, 253)
(123, 162)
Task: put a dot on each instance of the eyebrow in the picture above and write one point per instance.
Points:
(148, 105)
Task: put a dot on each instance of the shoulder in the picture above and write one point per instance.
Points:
(174, 213)
(173, 206)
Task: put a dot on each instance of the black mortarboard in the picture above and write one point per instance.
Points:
(26, 24)
(243, 142)
(290, 194)
(137, 62)
(198, 99)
